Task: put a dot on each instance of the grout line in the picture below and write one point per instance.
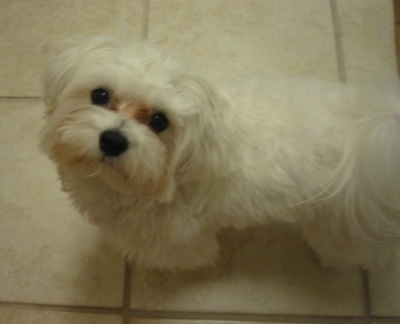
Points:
(366, 295)
(230, 317)
(146, 19)
(16, 98)
(243, 317)
(126, 297)
(396, 13)
(62, 308)
(386, 319)
(338, 41)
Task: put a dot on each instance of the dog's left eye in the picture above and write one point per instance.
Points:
(159, 123)
(100, 97)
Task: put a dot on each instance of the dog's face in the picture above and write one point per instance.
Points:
(128, 115)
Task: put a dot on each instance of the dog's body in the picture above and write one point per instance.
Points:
(321, 154)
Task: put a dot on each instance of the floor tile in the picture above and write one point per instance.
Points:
(27, 27)
(367, 32)
(264, 270)
(385, 290)
(229, 38)
(24, 316)
(48, 253)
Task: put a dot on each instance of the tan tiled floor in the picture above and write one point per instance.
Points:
(53, 266)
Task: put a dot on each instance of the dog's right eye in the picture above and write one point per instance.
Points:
(100, 97)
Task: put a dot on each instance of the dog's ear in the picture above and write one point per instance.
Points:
(68, 56)
(204, 94)
(206, 139)
(58, 72)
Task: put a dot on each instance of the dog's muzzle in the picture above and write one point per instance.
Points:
(112, 143)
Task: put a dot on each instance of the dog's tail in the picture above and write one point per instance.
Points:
(366, 186)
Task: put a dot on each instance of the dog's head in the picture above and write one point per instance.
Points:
(131, 116)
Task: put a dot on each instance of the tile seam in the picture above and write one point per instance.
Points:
(396, 14)
(61, 308)
(17, 97)
(385, 319)
(146, 19)
(341, 66)
(243, 317)
(366, 295)
(126, 294)
(136, 313)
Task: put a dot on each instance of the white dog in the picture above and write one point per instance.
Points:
(161, 159)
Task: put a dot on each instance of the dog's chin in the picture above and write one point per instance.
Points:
(118, 182)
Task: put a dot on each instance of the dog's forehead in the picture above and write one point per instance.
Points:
(135, 73)
(128, 80)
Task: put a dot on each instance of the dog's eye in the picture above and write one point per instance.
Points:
(159, 123)
(100, 97)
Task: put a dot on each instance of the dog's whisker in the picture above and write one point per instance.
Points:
(94, 173)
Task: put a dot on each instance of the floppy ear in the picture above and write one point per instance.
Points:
(57, 74)
(70, 55)
(208, 130)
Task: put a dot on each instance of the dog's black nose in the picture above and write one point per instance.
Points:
(113, 143)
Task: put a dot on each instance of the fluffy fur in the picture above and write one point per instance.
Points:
(320, 154)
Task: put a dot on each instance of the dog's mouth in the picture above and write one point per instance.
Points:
(114, 161)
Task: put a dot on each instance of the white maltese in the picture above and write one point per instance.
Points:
(160, 159)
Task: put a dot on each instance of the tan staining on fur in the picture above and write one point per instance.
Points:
(56, 150)
(138, 111)
(62, 152)
(115, 104)
(143, 114)
(78, 160)
(82, 161)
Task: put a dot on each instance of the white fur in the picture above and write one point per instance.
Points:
(320, 154)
